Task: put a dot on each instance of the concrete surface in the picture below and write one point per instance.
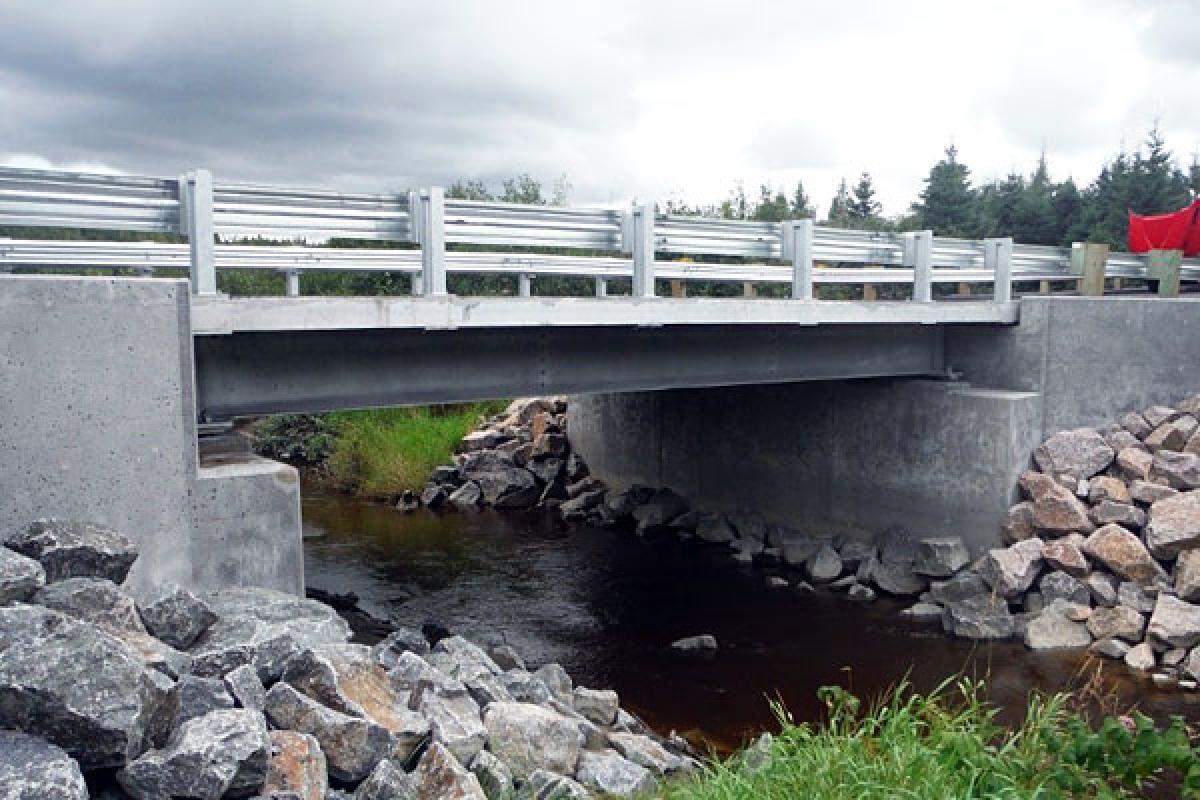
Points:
(97, 422)
(939, 457)
(271, 372)
(1091, 358)
(223, 314)
(837, 457)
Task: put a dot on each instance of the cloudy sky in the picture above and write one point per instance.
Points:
(651, 99)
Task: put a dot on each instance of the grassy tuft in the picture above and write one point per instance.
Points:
(383, 452)
(948, 745)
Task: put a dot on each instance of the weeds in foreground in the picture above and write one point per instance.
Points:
(948, 744)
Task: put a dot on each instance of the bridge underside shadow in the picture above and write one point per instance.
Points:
(275, 372)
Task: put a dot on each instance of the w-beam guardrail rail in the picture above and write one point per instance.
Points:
(205, 213)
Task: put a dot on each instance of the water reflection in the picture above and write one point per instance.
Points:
(606, 605)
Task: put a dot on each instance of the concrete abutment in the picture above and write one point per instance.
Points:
(941, 457)
(98, 422)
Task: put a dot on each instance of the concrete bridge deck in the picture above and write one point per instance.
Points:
(270, 355)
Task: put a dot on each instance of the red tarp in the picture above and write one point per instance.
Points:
(1179, 230)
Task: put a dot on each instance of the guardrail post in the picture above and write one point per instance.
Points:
(798, 244)
(524, 284)
(432, 221)
(643, 251)
(1088, 261)
(997, 256)
(601, 287)
(291, 279)
(918, 254)
(1164, 266)
(196, 215)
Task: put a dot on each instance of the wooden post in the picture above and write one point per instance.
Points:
(964, 290)
(1043, 287)
(1164, 266)
(748, 289)
(678, 288)
(1088, 261)
(870, 293)
(1118, 284)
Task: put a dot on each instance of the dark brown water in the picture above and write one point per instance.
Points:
(607, 605)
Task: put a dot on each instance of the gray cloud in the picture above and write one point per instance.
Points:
(626, 98)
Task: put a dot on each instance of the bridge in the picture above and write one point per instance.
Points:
(109, 377)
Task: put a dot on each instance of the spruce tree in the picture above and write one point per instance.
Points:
(802, 207)
(839, 207)
(864, 208)
(947, 203)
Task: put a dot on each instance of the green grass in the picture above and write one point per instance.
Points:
(949, 745)
(383, 452)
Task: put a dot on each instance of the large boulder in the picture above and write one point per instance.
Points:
(178, 617)
(1019, 522)
(1061, 586)
(224, 752)
(196, 697)
(264, 628)
(1150, 493)
(546, 785)
(494, 776)
(505, 486)
(941, 557)
(1065, 555)
(1174, 525)
(1173, 435)
(460, 659)
(386, 782)
(1106, 512)
(440, 776)
(453, 717)
(352, 745)
(1178, 470)
(982, 616)
(1080, 453)
(1119, 622)
(95, 600)
(528, 737)
(33, 769)
(1053, 629)
(1056, 509)
(78, 687)
(896, 578)
(401, 640)
(897, 545)
(297, 765)
(69, 549)
(1013, 569)
(245, 687)
(1187, 575)
(655, 514)
(1174, 623)
(963, 585)
(646, 752)
(1135, 463)
(1104, 487)
(610, 774)
(599, 706)
(824, 565)
(20, 576)
(1124, 554)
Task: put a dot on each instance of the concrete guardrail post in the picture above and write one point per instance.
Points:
(1089, 261)
(1165, 266)
(643, 251)
(797, 245)
(432, 221)
(918, 254)
(524, 285)
(291, 279)
(601, 287)
(196, 218)
(997, 257)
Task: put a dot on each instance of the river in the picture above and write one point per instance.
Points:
(606, 605)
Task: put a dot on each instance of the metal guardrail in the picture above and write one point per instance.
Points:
(193, 204)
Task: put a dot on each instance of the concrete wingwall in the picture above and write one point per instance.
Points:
(97, 422)
(941, 457)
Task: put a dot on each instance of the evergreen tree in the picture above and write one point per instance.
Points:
(1068, 213)
(864, 207)
(736, 205)
(802, 207)
(1157, 185)
(772, 206)
(1035, 220)
(469, 190)
(523, 189)
(947, 204)
(1194, 175)
(839, 207)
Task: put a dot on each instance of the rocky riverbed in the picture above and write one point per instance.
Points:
(1103, 553)
(256, 693)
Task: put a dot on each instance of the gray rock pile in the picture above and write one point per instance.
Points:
(1105, 545)
(256, 693)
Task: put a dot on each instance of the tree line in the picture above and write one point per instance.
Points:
(1031, 208)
